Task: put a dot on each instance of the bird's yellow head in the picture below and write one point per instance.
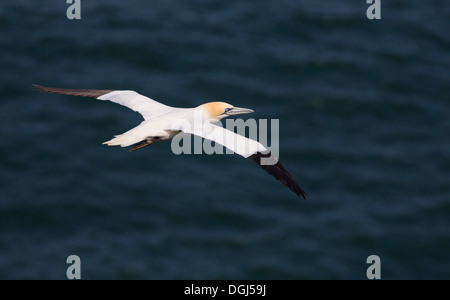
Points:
(220, 110)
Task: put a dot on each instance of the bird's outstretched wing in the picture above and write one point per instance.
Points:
(247, 148)
(147, 107)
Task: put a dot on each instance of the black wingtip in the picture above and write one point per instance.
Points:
(73, 92)
(278, 171)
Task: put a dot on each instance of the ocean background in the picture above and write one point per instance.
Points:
(364, 110)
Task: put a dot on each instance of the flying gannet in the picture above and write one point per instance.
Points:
(162, 122)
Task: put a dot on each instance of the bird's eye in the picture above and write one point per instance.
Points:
(227, 109)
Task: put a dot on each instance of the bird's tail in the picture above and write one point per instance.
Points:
(121, 140)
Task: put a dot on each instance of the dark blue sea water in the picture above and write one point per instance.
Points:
(364, 112)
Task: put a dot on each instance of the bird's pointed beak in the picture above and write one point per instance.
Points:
(239, 111)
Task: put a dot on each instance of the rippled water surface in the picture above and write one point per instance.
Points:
(364, 112)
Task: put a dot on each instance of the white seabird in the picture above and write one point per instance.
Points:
(162, 122)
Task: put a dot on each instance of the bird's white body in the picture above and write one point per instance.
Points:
(159, 119)
(161, 126)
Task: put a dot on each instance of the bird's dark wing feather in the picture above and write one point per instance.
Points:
(73, 92)
(279, 172)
